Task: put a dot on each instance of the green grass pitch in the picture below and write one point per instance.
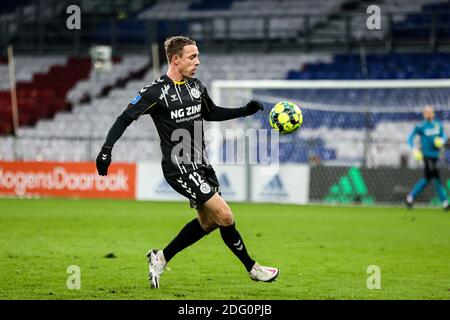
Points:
(323, 252)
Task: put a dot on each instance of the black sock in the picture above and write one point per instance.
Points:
(233, 240)
(191, 233)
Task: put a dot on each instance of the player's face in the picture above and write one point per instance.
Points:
(188, 62)
(428, 113)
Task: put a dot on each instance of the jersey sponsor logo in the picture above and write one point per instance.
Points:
(432, 131)
(136, 99)
(188, 111)
(164, 91)
(205, 188)
(195, 93)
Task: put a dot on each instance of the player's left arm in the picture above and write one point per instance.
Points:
(212, 112)
(442, 133)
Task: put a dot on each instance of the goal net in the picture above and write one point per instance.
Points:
(354, 133)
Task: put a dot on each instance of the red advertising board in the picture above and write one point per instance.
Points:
(67, 179)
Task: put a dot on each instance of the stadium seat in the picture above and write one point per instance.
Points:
(333, 115)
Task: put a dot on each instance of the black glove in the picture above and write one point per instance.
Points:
(103, 161)
(252, 107)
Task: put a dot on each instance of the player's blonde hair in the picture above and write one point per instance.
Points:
(174, 46)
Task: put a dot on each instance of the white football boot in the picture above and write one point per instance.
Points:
(264, 274)
(156, 265)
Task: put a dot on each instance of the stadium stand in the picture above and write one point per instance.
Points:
(422, 23)
(341, 114)
(401, 12)
(99, 81)
(340, 130)
(287, 18)
(59, 96)
(45, 94)
(51, 84)
(27, 66)
(249, 27)
(80, 123)
(379, 66)
(254, 66)
(60, 132)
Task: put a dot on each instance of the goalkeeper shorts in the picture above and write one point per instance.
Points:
(431, 170)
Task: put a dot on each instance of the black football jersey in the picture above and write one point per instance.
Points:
(177, 109)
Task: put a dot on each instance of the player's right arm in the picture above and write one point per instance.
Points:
(411, 137)
(416, 152)
(141, 104)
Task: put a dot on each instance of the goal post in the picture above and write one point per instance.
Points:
(13, 91)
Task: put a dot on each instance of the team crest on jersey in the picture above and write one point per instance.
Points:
(205, 188)
(195, 93)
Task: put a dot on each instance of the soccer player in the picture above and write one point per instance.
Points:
(432, 138)
(178, 104)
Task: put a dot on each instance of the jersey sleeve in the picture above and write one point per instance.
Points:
(411, 137)
(442, 132)
(142, 103)
(207, 104)
(212, 112)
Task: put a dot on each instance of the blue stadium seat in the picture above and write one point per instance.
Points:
(211, 5)
(380, 66)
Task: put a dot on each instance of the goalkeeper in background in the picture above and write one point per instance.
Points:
(432, 138)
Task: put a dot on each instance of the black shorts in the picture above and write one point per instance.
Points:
(198, 186)
(431, 170)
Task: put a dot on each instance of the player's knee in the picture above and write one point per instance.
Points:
(209, 227)
(225, 217)
(207, 224)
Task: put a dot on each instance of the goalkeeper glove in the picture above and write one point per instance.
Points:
(103, 160)
(252, 107)
(418, 155)
(438, 142)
